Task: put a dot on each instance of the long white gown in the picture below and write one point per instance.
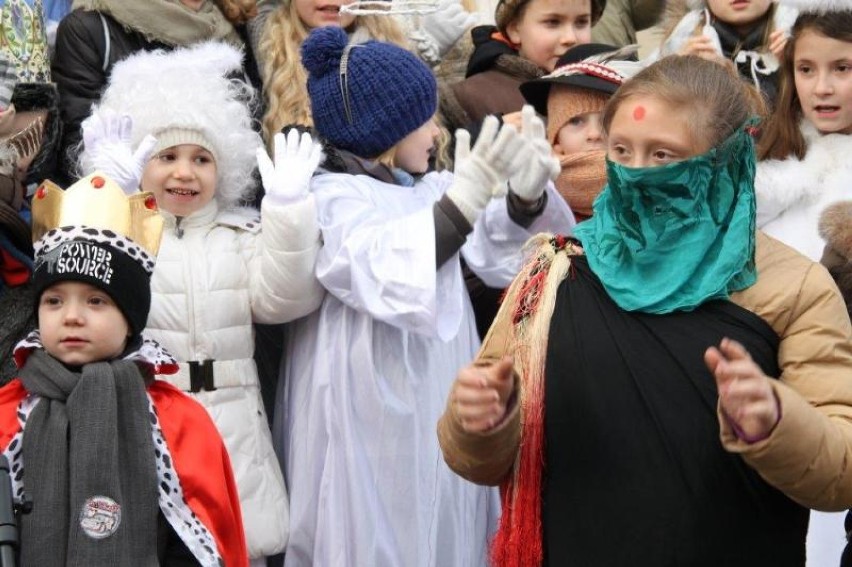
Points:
(367, 377)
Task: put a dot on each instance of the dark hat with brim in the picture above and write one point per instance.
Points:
(571, 70)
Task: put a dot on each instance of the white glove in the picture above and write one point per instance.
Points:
(539, 163)
(481, 173)
(296, 159)
(106, 138)
(447, 24)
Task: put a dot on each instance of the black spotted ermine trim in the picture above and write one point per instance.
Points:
(150, 354)
(57, 236)
(14, 451)
(186, 524)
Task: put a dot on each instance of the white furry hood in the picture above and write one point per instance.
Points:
(784, 184)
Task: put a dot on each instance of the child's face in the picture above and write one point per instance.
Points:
(548, 28)
(582, 133)
(321, 13)
(822, 68)
(738, 13)
(413, 151)
(646, 132)
(80, 323)
(182, 178)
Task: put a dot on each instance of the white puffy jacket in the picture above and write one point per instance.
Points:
(216, 273)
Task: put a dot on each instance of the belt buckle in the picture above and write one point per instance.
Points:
(201, 376)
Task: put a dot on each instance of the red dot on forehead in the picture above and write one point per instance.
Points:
(639, 112)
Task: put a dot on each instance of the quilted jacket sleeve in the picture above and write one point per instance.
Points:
(484, 458)
(808, 456)
(281, 268)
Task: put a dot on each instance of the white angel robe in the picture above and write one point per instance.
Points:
(368, 375)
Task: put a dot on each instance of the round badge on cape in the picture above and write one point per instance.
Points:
(100, 517)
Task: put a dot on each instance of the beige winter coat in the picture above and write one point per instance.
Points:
(808, 454)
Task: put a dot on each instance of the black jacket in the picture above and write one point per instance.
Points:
(80, 68)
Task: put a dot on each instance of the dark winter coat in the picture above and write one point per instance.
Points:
(80, 69)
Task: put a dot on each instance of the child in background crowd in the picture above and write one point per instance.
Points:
(806, 143)
(120, 468)
(365, 376)
(529, 38)
(573, 98)
(221, 267)
(749, 33)
(805, 165)
(678, 367)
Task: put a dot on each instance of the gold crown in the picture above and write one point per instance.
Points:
(98, 202)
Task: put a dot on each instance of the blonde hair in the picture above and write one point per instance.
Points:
(442, 149)
(285, 80)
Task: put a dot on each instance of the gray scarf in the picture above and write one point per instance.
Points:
(89, 466)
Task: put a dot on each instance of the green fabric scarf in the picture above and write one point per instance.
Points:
(669, 238)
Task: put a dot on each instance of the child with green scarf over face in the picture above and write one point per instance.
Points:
(679, 367)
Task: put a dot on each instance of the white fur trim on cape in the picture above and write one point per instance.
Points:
(150, 354)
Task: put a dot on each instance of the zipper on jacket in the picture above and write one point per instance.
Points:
(178, 227)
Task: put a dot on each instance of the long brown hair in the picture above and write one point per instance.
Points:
(717, 99)
(782, 137)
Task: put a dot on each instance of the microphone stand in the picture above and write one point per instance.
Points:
(8, 524)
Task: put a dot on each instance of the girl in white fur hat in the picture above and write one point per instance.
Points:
(221, 267)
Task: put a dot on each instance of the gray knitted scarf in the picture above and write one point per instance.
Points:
(88, 466)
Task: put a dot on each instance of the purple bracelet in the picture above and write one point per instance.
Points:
(742, 436)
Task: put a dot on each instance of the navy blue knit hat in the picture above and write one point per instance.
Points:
(366, 97)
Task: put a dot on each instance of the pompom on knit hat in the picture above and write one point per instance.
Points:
(366, 97)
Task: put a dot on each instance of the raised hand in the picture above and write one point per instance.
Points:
(106, 138)
(481, 172)
(746, 396)
(447, 24)
(538, 164)
(296, 159)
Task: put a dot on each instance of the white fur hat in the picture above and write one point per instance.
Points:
(189, 90)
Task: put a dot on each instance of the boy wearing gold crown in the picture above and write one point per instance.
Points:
(120, 468)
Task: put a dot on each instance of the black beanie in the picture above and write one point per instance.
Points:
(101, 258)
